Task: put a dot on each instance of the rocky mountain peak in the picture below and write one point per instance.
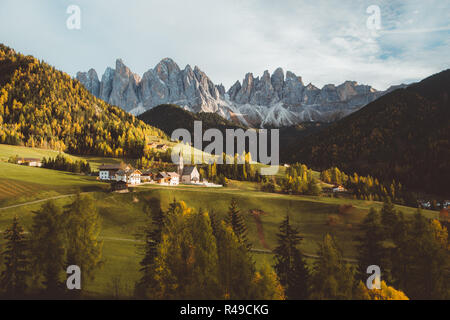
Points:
(90, 81)
(277, 99)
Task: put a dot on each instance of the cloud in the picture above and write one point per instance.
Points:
(322, 41)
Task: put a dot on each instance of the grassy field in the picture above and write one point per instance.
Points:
(20, 184)
(123, 215)
(7, 151)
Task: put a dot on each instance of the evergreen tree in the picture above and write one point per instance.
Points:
(237, 223)
(13, 277)
(186, 265)
(389, 217)
(290, 265)
(370, 248)
(152, 238)
(236, 267)
(48, 251)
(205, 272)
(332, 278)
(82, 227)
(423, 268)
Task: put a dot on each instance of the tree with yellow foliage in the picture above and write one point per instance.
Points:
(385, 293)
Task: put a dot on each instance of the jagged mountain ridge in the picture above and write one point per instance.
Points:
(275, 100)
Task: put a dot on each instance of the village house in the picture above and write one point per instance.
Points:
(168, 178)
(130, 176)
(108, 171)
(152, 145)
(31, 162)
(146, 176)
(174, 178)
(338, 189)
(162, 178)
(162, 147)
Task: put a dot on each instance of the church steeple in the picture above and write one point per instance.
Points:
(180, 164)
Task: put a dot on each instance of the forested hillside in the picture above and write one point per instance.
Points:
(169, 117)
(403, 135)
(43, 107)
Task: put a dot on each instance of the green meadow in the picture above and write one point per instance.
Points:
(123, 215)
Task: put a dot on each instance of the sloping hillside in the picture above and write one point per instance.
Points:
(43, 107)
(169, 117)
(403, 135)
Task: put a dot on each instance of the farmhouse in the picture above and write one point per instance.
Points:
(339, 189)
(174, 178)
(162, 147)
(147, 176)
(108, 171)
(129, 176)
(32, 162)
(163, 178)
(168, 178)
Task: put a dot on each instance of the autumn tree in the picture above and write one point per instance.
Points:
(384, 293)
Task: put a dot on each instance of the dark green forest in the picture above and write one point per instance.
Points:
(169, 117)
(403, 135)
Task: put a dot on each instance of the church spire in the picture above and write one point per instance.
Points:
(180, 164)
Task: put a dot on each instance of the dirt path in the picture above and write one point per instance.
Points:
(259, 227)
(41, 200)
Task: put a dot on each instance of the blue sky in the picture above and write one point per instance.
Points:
(321, 41)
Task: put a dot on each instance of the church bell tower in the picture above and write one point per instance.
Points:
(180, 164)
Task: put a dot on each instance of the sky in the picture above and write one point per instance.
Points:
(321, 41)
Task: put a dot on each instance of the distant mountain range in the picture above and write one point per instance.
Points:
(275, 100)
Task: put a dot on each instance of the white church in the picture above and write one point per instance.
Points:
(188, 174)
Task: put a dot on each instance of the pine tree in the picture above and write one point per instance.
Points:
(332, 278)
(389, 217)
(237, 223)
(13, 277)
(48, 251)
(290, 265)
(370, 248)
(152, 238)
(187, 261)
(422, 265)
(236, 267)
(82, 227)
